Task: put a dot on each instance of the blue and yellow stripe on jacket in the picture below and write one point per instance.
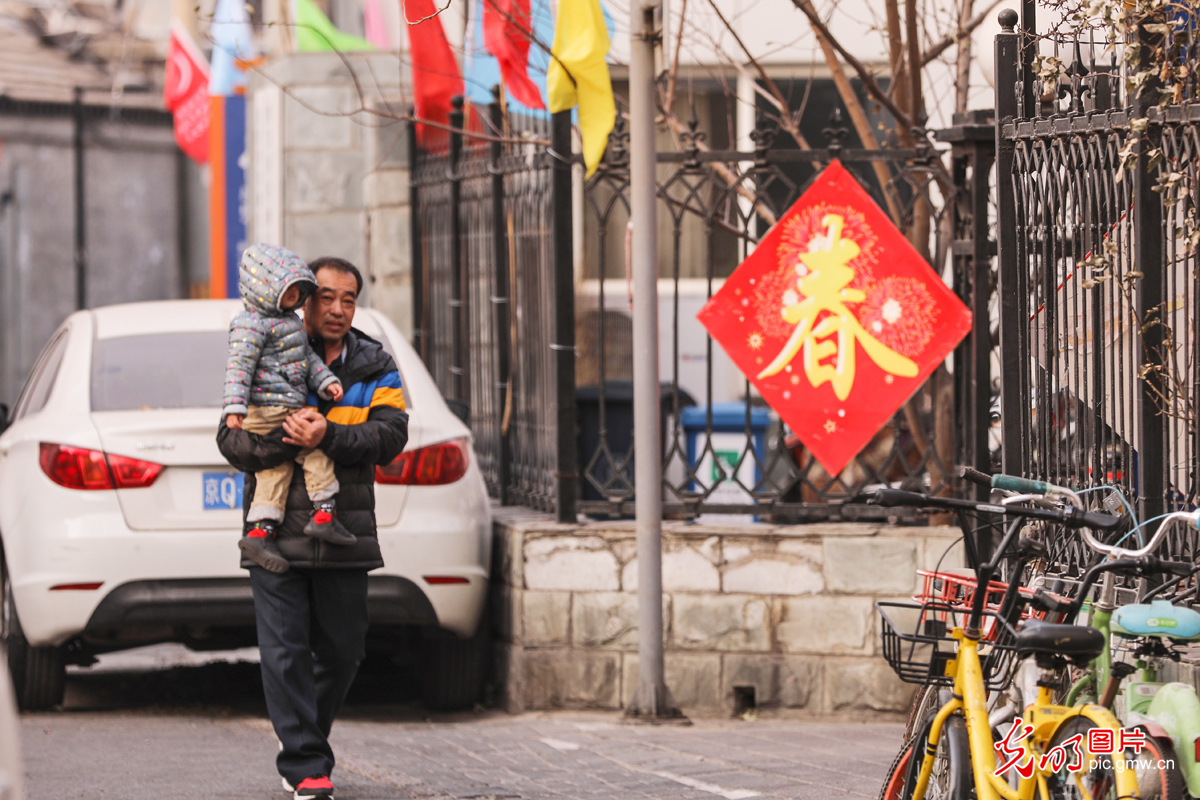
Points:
(356, 404)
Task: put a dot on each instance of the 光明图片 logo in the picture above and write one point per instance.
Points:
(1076, 754)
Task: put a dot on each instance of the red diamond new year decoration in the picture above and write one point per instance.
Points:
(835, 318)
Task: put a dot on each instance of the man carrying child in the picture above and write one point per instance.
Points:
(312, 616)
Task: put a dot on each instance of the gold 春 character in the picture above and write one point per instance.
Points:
(822, 280)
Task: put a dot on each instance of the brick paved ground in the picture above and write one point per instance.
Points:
(565, 755)
(559, 755)
(201, 733)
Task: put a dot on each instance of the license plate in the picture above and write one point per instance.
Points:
(222, 490)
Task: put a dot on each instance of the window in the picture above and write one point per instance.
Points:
(161, 370)
(41, 380)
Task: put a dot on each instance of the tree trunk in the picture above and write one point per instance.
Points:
(915, 101)
(862, 125)
(899, 87)
(962, 80)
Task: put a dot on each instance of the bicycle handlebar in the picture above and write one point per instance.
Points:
(1026, 486)
(1070, 515)
(1179, 568)
(975, 476)
(1115, 551)
(1144, 564)
(1012, 483)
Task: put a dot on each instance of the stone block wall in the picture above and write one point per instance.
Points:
(785, 610)
(327, 166)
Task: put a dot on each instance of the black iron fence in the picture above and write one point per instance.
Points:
(1098, 264)
(526, 326)
(493, 296)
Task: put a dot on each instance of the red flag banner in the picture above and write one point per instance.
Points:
(435, 73)
(835, 318)
(506, 32)
(185, 93)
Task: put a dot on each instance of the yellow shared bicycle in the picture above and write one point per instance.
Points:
(1051, 752)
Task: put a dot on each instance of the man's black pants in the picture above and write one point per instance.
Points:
(312, 628)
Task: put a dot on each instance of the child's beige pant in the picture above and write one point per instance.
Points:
(270, 492)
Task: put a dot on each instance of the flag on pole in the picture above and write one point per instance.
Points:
(185, 93)
(233, 52)
(481, 70)
(233, 48)
(578, 74)
(374, 25)
(316, 34)
(435, 74)
(507, 28)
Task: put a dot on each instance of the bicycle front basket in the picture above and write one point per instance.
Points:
(918, 644)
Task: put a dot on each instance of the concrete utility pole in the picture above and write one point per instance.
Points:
(653, 700)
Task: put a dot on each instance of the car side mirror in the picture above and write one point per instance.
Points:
(4, 420)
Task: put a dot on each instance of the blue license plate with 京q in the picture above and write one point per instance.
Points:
(222, 490)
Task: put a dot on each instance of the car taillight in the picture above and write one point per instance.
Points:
(75, 467)
(435, 465)
(81, 468)
(133, 473)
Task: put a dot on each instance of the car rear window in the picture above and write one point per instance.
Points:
(161, 370)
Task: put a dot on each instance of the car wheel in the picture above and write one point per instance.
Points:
(454, 669)
(39, 674)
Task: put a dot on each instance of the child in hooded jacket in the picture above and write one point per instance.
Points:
(270, 370)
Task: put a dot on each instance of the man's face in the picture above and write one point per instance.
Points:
(329, 312)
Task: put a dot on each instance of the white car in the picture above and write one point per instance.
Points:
(119, 518)
(10, 742)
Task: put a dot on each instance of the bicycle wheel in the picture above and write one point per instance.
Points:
(924, 699)
(1097, 780)
(951, 778)
(897, 774)
(1158, 773)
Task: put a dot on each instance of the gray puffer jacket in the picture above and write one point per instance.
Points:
(270, 360)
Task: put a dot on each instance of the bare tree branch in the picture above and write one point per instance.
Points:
(898, 89)
(785, 119)
(671, 78)
(872, 86)
(962, 61)
(965, 30)
(916, 103)
(437, 13)
(858, 117)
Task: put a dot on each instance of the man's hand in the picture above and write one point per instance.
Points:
(335, 391)
(305, 428)
(234, 421)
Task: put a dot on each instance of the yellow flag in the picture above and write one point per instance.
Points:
(579, 75)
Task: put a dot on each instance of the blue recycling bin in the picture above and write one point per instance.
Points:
(728, 423)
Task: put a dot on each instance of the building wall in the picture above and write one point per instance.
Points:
(328, 167)
(137, 226)
(785, 610)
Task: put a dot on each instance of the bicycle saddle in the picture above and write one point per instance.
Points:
(1158, 618)
(1078, 643)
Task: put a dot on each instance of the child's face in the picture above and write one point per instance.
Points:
(291, 297)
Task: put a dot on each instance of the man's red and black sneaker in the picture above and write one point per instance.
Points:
(318, 786)
(258, 545)
(324, 525)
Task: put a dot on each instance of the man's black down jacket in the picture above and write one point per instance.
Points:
(371, 383)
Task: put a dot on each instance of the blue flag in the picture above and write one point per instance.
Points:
(233, 42)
